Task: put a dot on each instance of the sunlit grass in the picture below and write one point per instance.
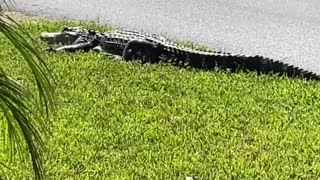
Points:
(125, 120)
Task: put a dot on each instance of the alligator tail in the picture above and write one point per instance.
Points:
(234, 63)
(281, 68)
(262, 65)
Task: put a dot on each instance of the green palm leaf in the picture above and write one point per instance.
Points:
(21, 126)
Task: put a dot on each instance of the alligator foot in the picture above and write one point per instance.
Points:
(113, 56)
(98, 49)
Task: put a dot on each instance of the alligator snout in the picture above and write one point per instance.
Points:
(50, 38)
(59, 37)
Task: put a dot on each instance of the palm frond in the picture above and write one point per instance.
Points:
(17, 36)
(21, 126)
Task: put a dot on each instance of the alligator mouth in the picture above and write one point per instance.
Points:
(59, 37)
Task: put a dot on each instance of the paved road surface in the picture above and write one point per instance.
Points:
(279, 29)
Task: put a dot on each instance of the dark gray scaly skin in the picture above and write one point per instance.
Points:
(131, 45)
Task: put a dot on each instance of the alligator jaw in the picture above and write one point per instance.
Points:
(64, 38)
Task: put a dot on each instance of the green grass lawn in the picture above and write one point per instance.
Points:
(125, 120)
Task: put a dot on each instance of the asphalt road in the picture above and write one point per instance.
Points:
(287, 30)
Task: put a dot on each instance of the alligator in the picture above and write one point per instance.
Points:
(132, 45)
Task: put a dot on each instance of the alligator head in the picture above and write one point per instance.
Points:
(67, 36)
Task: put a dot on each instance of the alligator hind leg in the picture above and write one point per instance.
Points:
(141, 49)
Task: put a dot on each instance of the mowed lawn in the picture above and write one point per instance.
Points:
(125, 120)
